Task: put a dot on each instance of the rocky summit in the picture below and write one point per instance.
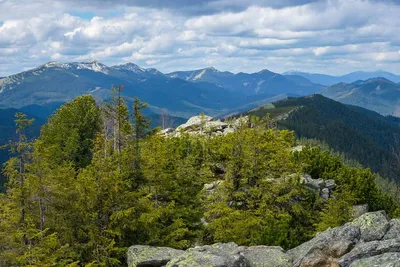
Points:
(206, 125)
(370, 240)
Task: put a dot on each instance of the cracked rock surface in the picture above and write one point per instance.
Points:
(370, 240)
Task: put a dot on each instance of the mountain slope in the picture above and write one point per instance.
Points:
(361, 134)
(329, 80)
(377, 94)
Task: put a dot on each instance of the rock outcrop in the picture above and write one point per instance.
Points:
(205, 125)
(319, 186)
(370, 240)
(151, 256)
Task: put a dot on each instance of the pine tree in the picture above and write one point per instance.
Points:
(140, 125)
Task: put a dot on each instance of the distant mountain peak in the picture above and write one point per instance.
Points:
(153, 71)
(202, 72)
(130, 67)
(265, 71)
(212, 69)
(375, 80)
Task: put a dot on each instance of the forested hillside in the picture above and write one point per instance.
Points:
(97, 180)
(377, 94)
(360, 134)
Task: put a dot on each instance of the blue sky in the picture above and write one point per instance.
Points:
(325, 36)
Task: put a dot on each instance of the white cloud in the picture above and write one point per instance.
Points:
(243, 35)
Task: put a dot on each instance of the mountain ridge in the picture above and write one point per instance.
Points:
(361, 134)
(329, 80)
(377, 94)
(57, 82)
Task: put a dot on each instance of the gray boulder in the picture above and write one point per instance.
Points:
(365, 250)
(326, 248)
(314, 184)
(373, 225)
(217, 255)
(140, 256)
(194, 121)
(385, 260)
(394, 229)
(215, 125)
(325, 194)
(264, 256)
(370, 240)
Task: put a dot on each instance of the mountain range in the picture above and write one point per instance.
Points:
(377, 94)
(182, 94)
(208, 91)
(329, 80)
(264, 82)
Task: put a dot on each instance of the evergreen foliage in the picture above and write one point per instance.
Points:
(97, 180)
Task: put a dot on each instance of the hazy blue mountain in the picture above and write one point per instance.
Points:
(362, 75)
(329, 80)
(263, 82)
(60, 82)
(360, 134)
(377, 94)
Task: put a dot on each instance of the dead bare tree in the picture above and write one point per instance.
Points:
(166, 121)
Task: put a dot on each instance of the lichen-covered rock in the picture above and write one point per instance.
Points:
(141, 256)
(364, 250)
(217, 255)
(264, 256)
(167, 131)
(326, 248)
(330, 184)
(325, 194)
(394, 229)
(370, 240)
(373, 225)
(314, 184)
(215, 125)
(391, 259)
(194, 121)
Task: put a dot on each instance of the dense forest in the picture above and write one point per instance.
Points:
(362, 135)
(98, 180)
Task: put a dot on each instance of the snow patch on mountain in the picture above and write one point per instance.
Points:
(93, 65)
(89, 65)
(204, 71)
(259, 85)
(198, 76)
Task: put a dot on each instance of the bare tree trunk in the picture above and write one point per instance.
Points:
(105, 137)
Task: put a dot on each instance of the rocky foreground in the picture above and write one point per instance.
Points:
(370, 240)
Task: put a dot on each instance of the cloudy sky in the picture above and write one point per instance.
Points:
(325, 36)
